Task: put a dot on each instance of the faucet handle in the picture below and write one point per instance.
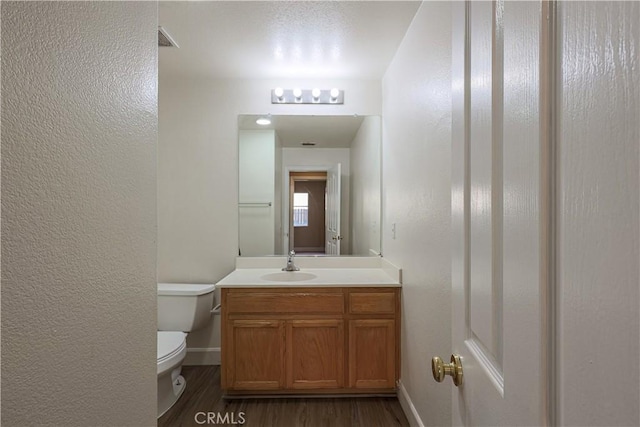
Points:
(292, 252)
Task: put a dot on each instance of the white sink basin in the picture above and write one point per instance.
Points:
(288, 276)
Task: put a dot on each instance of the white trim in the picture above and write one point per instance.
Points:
(202, 356)
(407, 406)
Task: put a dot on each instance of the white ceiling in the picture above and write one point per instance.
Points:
(325, 131)
(283, 39)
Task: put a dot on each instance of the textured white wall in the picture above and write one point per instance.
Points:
(598, 202)
(416, 162)
(79, 129)
(198, 164)
(365, 205)
(198, 169)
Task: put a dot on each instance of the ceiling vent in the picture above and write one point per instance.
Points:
(165, 39)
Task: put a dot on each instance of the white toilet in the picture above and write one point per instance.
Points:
(181, 308)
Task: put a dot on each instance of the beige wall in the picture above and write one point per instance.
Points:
(416, 141)
(79, 111)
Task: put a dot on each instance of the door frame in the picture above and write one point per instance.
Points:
(287, 202)
(302, 176)
(550, 72)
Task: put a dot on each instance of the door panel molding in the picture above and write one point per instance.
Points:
(487, 363)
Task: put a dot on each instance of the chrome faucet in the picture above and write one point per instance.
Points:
(290, 265)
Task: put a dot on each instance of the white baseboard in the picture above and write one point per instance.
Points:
(202, 356)
(407, 406)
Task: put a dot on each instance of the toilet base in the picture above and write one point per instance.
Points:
(170, 388)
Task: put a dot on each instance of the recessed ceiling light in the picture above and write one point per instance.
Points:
(263, 121)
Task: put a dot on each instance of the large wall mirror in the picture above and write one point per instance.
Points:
(309, 183)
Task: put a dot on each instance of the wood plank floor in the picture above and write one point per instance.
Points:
(203, 394)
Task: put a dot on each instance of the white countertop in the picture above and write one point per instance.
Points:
(372, 274)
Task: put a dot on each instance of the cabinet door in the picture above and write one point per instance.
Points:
(372, 353)
(256, 359)
(315, 354)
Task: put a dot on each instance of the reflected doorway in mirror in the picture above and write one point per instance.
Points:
(307, 213)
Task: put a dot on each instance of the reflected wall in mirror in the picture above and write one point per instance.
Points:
(309, 183)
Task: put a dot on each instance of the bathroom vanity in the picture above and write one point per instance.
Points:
(333, 327)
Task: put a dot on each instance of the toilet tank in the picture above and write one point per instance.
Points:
(183, 306)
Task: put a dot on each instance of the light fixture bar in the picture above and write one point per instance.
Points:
(325, 96)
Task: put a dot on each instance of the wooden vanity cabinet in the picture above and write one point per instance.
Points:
(315, 354)
(374, 350)
(258, 347)
(310, 340)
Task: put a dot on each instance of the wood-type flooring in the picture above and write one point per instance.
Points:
(202, 399)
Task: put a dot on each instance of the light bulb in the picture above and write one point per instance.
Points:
(297, 93)
(334, 93)
(315, 93)
(278, 92)
(263, 121)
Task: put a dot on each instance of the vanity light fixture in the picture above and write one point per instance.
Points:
(335, 93)
(297, 94)
(315, 94)
(307, 96)
(279, 93)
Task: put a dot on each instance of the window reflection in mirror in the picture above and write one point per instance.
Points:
(301, 209)
(309, 183)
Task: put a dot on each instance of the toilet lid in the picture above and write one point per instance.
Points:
(170, 343)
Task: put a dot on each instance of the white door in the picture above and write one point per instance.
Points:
(500, 211)
(332, 218)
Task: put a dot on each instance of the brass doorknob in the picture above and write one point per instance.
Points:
(441, 369)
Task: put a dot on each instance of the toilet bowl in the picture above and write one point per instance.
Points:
(181, 308)
(172, 349)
